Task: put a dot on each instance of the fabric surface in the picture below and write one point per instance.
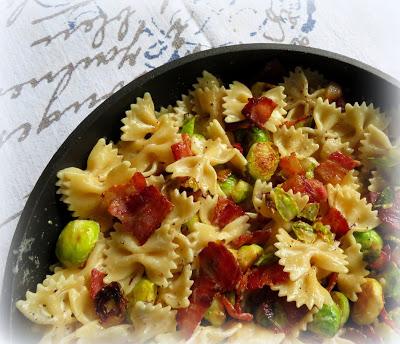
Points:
(61, 58)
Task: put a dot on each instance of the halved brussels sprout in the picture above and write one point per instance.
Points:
(228, 184)
(326, 321)
(267, 257)
(371, 244)
(304, 232)
(144, 290)
(215, 314)
(241, 191)
(344, 305)
(263, 160)
(285, 204)
(310, 211)
(248, 254)
(323, 232)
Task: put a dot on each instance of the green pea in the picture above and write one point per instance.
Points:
(228, 185)
(285, 204)
(188, 126)
(326, 321)
(262, 160)
(144, 290)
(344, 305)
(304, 232)
(241, 191)
(76, 241)
(371, 244)
(215, 314)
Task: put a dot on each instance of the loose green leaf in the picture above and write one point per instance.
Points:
(285, 204)
(304, 232)
(310, 211)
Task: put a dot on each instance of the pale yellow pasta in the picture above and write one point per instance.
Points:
(184, 208)
(376, 183)
(356, 210)
(177, 293)
(350, 283)
(291, 140)
(278, 114)
(236, 98)
(259, 198)
(329, 145)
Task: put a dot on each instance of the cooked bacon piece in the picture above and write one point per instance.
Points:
(372, 197)
(333, 277)
(259, 110)
(380, 263)
(238, 146)
(203, 292)
(258, 277)
(344, 160)
(110, 304)
(311, 187)
(391, 216)
(220, 265)
(333, 170)
(182, 149)
(138, 181)
(290, 165)
(337, 222)
(136, 184)
(234, 312)
(225, 212)
(96, 282)
(256, 237)
(140, 210)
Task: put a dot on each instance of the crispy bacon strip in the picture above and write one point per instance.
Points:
(256, 237)
(238, 146)
(182, 149)
(344, 160)
(258, 277)
(333, 277)
(259, 110)
(96, 282)
(140, 208)
(234, 312)
(336, 221)
(220, 265)
(111, 304)
(291, 166)
(313, 188)
(225, 212)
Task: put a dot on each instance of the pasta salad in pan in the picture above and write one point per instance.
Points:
(261, 214)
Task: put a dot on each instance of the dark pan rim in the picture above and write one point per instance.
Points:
(37, 191)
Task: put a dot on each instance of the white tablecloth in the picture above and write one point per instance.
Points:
(61, 58)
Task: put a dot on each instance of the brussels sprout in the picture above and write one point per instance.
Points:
(257, 135)
(267, 257)
(268, 315)
(76, 241)
(188, 126)
(191, 222)
(248, 254)
(144, 290)
(263, 160)
(215, 314)
(392, 282)
(241, 191)
(309, 164)
(344, 305)
(326, 321)
(228, 185)
(323, 232)
(310, 211)
(304, 232)
(369, 303)
(285, 204)
(371, 244)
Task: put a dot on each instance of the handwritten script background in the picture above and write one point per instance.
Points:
(61, 58)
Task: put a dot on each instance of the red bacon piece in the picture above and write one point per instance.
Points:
(336, 221)
(189, 318)
(140, 210)
(311, 187)
(259, 110)
(333, 277)
(220, 265)
(238, 146)
(391, 216)
(269, 275)
(290, 165)
(256, 237)
(225, 212)
(330, 172)
(234, 312)
(344, 160)
(182, 149)
(96, 282)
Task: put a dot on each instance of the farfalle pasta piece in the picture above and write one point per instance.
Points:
(184, 208)
(207, 206)
(177, 293)
(156, 152)
(356, 210)
(350, 283)
(302, 262)
(151, 320)
(124, 256)
(326, 115)
(200, 167)
(140, 120)
(255, 334)
(236, 98)
(215, 131)
(259, 198)
(329, 145)
(277, 116)
(351, 180)
(293, 140)
(183, 250)
(81, 189)
(376, 183)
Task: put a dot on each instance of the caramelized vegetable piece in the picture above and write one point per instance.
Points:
(76, 241)
(369, 304)
(215, 314)
(259, 110)
(110, 304)
(285, 204)
(144, 290)
(248, 254)
(263, 160)
(241, 191)
(326, 321)
(304, 232)
(310, 211)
